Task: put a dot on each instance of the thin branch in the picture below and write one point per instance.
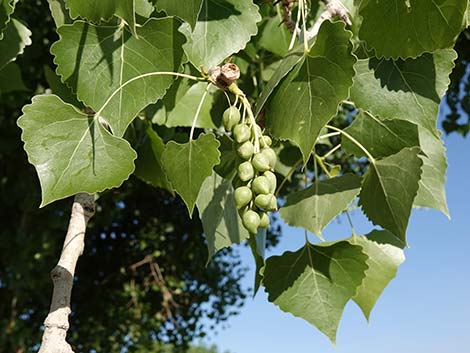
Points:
(57, 322)
(334, 8)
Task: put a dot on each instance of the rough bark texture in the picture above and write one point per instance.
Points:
(57, 321)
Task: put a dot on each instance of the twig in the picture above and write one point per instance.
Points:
(57, 321)
(334, 8)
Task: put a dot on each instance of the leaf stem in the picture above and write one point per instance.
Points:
(198, 110)
(289, 173)
(155, 73)
(353, 140)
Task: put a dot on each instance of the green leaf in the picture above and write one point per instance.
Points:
(97, 61)
(411, 90)
(275, 38)
(187, 165)
(17, 37)
(59, 12)
(381, 138)
(286, 66)
(228, 158)
(257, 244)
(187, 10)
(222, 29)
(72, 152)
(316, 282)
(316, 206)
(406, 90)
(389, 188)
(407, 29)
(383, 262)
(308, 97)
(431, 192)
(10, 79)
(148, 165)
(6, 9)
(187, 105)
(103, 10)
(60, 89)
(219, 216)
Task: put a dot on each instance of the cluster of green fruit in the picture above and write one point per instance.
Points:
(256, 182)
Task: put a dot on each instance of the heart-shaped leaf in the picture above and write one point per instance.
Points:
(71, 151)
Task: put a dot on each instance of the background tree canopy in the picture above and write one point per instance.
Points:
(144, 268)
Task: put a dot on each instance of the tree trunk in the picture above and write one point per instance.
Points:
(57, 321)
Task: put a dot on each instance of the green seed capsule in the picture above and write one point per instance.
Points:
(265, 141)
(264, 201)
(246, 171)
(256, 129)
(243, 196)
(241, 133)
(272, 181)
(245, 150)
(260, 185)
(260, 162)
(270, 156)
(251, 221)
(230, 118)
(264, 220)
(272, 205)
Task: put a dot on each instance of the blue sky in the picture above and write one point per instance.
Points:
(426, 309)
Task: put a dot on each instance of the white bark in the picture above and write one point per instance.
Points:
(334, 8)
(57, 321)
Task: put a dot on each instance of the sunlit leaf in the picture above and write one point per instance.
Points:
(316, 282)
(71, 151)
(187, 165)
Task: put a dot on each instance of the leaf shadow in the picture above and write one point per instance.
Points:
(412, 75)
(215, 10)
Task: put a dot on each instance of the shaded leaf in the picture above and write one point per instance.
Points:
(286, 66)
(431, 192)
(308, 97)
(187, 165)
(219, 216)
(383, 262)
(60, 89)
(228, 158)
(187, 10)
(72, 152)
(389, 189)
(103, 10)
(222, 29)
(186, 106)
(316, 282)
(10, 79)
(316, 206)
(275, 38)
(381, 138)
(17, 37)
(96, 61)
(404, 29)
(148, 165)
(6, 9)
(257, 244)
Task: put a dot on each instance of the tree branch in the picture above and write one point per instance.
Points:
(57, 322)
(334, 8)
